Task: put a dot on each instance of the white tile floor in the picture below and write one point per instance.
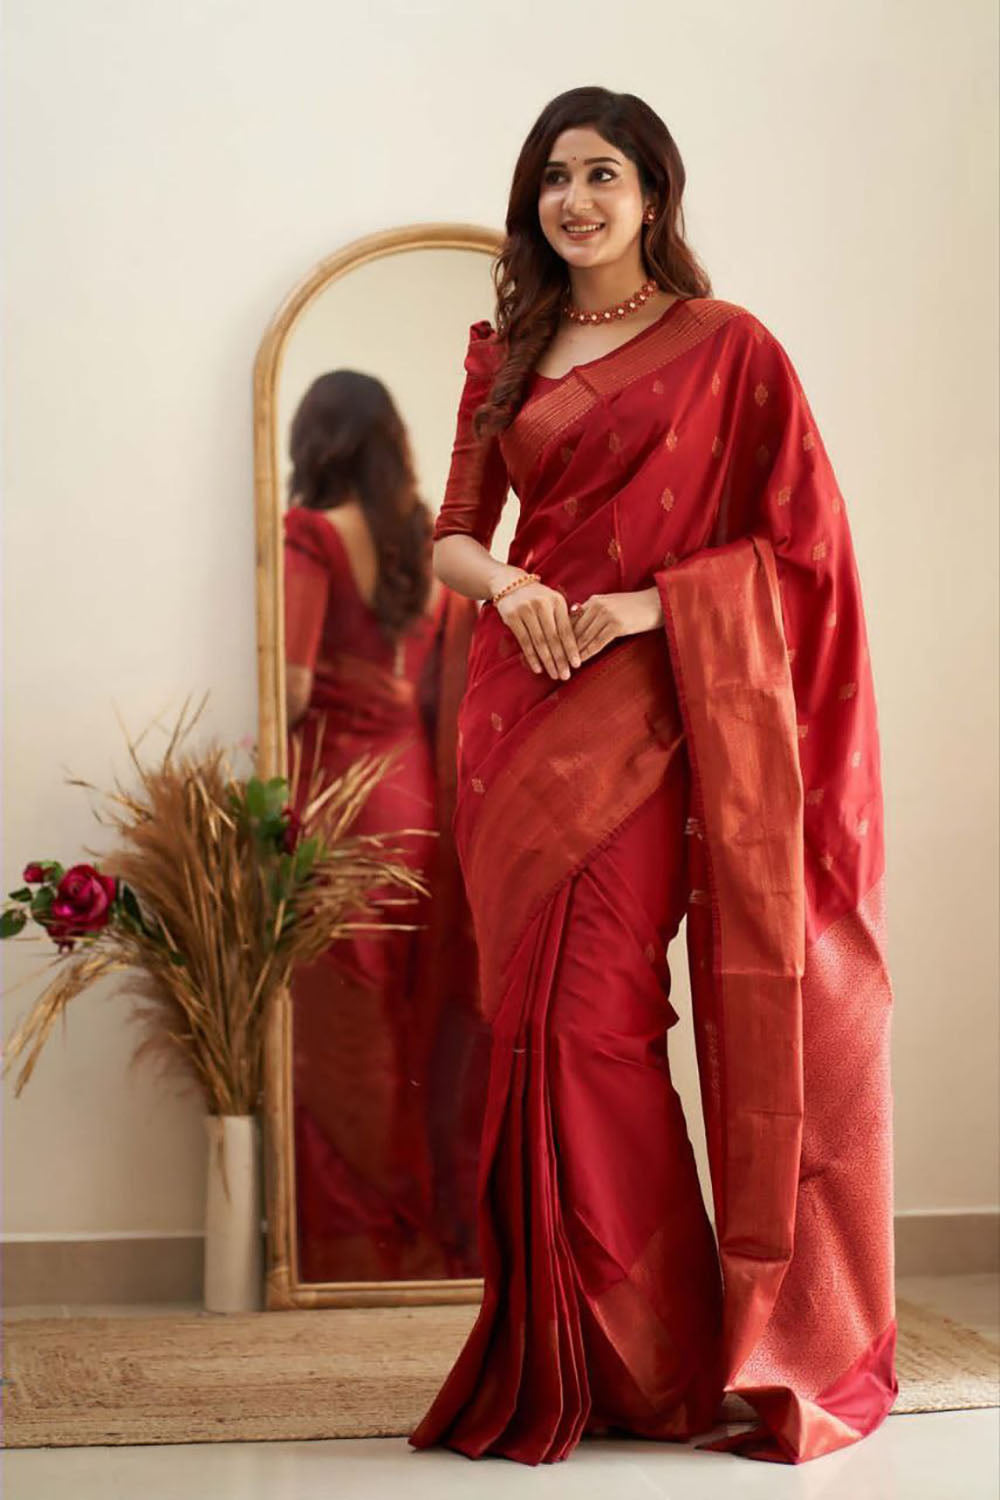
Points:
(938, 1456)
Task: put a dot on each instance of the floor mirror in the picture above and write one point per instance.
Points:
(369, 1171)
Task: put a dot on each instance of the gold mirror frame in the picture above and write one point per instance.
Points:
(283, 1289)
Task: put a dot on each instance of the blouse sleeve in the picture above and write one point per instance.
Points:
(307, 582)
(477, 479)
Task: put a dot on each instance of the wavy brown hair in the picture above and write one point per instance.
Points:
(348, 441)
(532, 280)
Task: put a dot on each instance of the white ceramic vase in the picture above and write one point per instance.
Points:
(233, 1212)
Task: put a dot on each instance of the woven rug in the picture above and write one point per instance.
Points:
(326, 1373)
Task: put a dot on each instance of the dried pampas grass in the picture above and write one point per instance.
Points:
(222, 892)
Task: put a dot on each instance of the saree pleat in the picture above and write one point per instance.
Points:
(505, 1394)
(579, 1327)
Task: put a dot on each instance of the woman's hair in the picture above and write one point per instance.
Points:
(532, 280)
(347, 439)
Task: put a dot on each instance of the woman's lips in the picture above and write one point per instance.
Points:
(581, 234)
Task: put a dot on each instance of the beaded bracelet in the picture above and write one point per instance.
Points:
(525, 578)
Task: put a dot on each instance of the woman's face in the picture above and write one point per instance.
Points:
(587, 181)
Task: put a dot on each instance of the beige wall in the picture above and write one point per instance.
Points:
(172, 169)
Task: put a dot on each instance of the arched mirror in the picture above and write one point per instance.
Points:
(374, 1074)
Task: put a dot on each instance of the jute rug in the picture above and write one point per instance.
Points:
(326, 1373)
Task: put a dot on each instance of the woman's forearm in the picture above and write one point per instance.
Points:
(464, 564)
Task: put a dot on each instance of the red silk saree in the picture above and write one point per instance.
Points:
(388, 1040)
(726, 768)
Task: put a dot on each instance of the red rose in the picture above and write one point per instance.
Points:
(82, 904)
(292, 831)
(34, 874)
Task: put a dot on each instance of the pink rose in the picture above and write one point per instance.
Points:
(34, 874)
(82, 904)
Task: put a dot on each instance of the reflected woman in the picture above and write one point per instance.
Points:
(669, 713)
(389, 1051)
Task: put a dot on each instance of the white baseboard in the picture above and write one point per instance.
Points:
(49, 1270)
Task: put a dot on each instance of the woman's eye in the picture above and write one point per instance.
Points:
(555, 175)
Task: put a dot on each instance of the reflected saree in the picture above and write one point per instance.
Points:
(389, 1046)
(725, 768)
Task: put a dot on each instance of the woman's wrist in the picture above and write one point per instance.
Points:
(516, 583)
(501, 576)
(651, 600)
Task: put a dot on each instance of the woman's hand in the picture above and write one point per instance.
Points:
(298, 691)
(539, 619)
(604, 617)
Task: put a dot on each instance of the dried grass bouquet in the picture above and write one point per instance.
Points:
(217, 889)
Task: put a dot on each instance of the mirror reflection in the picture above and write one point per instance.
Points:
(389, 1049)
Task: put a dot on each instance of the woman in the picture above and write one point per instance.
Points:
(388, 1040)
(669, 711)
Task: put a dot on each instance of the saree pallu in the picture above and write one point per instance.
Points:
(728, 766)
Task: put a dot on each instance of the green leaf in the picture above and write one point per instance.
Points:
(255, 798)
(130, 906)
(54, 871)
(271, 827)
(305, 857)
(275, 798)
(266, 798)
(41, 901)
(11, 922)
(281, 878)
(24, 894)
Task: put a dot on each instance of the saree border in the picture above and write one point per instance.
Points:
(557, 799)
(737, 704)
(543, 418)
